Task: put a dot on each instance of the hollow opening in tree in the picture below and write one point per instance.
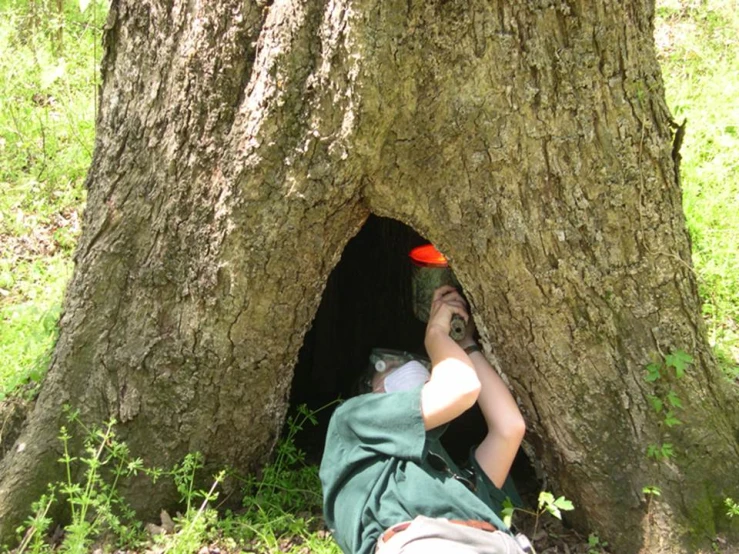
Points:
(367, 303)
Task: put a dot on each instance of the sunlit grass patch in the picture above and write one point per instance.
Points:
(28, 325)
(48, 83)
(698, 44)
(28, 328)
(47, 97)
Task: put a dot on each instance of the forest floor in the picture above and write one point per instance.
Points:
(48, 80)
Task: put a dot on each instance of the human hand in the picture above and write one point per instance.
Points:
(446, 302)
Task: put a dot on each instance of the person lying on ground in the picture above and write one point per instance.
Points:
(389, 486)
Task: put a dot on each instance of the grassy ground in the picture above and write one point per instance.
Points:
(698, 43)
(47, 104)
(47, 88)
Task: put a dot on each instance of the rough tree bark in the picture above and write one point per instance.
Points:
(241, 144)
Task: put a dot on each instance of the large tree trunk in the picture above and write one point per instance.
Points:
(241, 144)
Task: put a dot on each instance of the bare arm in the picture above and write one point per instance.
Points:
(506, 426)
(454, 385)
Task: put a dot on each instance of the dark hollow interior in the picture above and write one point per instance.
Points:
(367, 304)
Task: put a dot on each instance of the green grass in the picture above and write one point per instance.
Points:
(47, 130)
(47, 96)
(29, 327)
(699, 46)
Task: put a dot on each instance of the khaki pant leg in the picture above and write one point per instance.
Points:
(427, 535)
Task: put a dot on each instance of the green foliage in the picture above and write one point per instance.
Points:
(697, 47)
(47, 103)
(98, 513)
(547, 503)
(554, 505)
(656, 403)
(288, 483)
(665, 402)
(196, 526)
(37, 525)
(95, 506)
(287, 486)
(732, 507)
(595, 544)
(653, 373)
(27, 335)
(660, 452)
(184, 477)
(651, 493)
(677, 361)
(673, 399)
(283, 506)
(506, 513)
(670, 420)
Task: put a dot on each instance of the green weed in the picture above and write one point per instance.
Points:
(732, 508)
(95, 504)
(547, 504)
(194, 528)
(660, 452)
(47, 104)
(95, 507)
(37, 525)
(283, 506)
(662, 375)
(596, 544)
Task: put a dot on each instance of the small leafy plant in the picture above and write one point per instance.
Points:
(651, 492)
(552, 505)
(660, 452)
(94, 504)
(665, 402)
(595, 544)
(37, 525)
(731, 507)
(97, 511)
(547, 503)
(281, 506)
(48, 87)
(192, 529)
